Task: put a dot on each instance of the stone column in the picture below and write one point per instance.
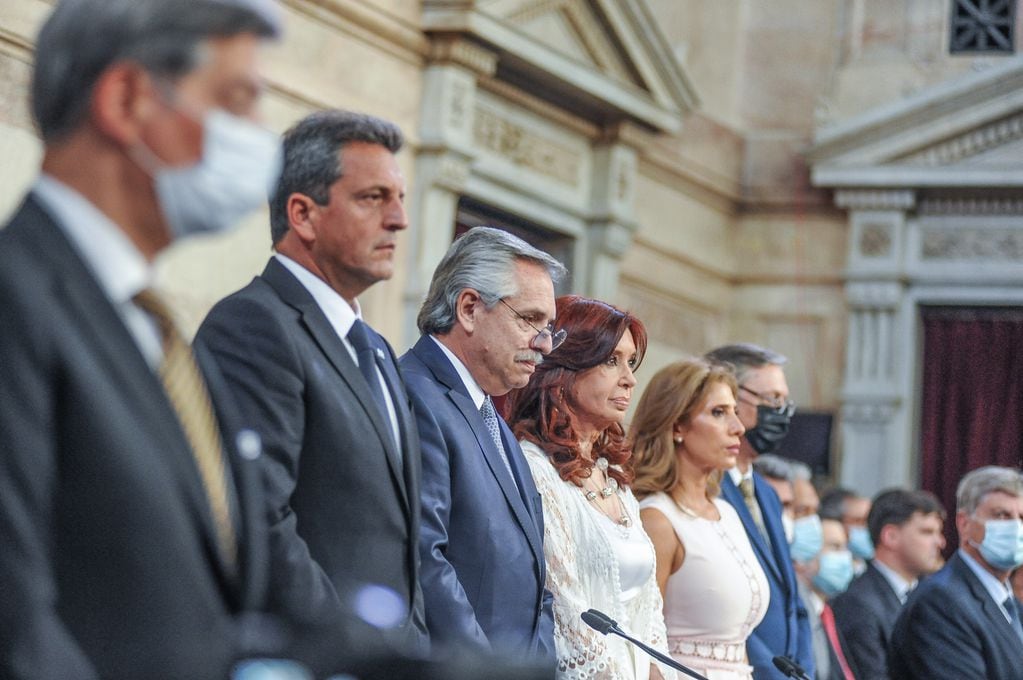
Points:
(444, 159)
(612, 223)
(874, 418)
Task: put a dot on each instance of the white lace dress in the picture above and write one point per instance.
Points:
(717, 597)
(594, 563)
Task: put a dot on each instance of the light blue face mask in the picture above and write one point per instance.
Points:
(859, 543)
(807, 538)
(1002, 546)
(834, 573)
(239, 167)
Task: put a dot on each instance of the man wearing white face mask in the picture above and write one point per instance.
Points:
(129, 502)
(963, 622)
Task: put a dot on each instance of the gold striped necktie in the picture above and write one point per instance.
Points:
(187, 392)
(749, 495)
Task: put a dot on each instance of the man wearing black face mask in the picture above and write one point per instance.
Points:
(765, 410)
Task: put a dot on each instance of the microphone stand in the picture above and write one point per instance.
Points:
(604, 624)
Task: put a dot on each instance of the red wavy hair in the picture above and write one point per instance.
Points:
(542, 411)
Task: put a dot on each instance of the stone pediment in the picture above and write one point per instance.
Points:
(604, 60)
(967, 132)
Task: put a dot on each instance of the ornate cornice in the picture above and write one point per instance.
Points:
(875, 199)
(972, 143)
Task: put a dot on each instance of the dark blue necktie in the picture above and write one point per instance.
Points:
(366, 351)
(1010, 608)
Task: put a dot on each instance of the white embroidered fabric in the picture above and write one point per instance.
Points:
(718, 595)
(583, 573)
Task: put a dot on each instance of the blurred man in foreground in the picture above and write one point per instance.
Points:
(129, 506)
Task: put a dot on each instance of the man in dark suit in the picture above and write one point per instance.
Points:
(963, 622)
(322, 387)
(765, 409)
(129, 504)
(905, 530)
(486, 325)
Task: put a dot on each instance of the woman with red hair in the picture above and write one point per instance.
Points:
(569, 420)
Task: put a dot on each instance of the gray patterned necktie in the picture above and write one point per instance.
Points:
(489, 415)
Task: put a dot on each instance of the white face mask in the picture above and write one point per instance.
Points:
(239, 167)
(788, 526)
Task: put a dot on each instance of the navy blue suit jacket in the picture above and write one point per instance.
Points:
(785, 629)
(951, 628)
(865, 615)
(481, 538)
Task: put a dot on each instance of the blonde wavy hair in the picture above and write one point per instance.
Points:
(674, 395)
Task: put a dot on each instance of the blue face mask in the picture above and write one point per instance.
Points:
(807, 538)
(1002, 546)
(835, 572)
(860, 544)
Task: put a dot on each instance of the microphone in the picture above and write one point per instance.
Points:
(604, 624)
(790, 668)
(599, 621)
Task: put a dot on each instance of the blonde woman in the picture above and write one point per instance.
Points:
(685, 434)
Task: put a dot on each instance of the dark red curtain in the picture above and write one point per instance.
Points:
(972, 406)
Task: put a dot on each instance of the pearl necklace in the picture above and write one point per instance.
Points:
(606, 492)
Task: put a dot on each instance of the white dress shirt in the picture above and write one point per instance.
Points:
(117, 265)
(341, 317)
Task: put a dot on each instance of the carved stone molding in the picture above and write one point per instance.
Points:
(869, 412)
(526, 147)
(875, 240)
(972, 206)
(875, 199)
(873, 294)
(974, 142)
(447, 49)
(612, 238)
(973, 245)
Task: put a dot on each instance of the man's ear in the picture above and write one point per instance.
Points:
(468, 305)
(124, 99)
(303, 216)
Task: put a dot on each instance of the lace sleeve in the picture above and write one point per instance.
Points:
(582, 652)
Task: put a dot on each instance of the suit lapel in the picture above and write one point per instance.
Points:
(326, 338)
(734, 497)
(996, 618)
(103, 329)
(432, 356)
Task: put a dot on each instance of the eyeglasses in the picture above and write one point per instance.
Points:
(781, 406)
(547, 334)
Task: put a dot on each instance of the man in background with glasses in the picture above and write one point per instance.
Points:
(486, 324)
(765, 410)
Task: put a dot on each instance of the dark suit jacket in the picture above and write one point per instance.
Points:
(342, 501)
(785, 629)
(951, 628)
(865, 614)
(108, 559)
(482, 540)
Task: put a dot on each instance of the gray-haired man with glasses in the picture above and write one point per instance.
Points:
(765, 410)
(486, 324)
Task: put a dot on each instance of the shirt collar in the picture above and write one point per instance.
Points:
(900, 585)
(339, 313)
(476, 392)
(117, 265)
(998, 590)
(737, 476)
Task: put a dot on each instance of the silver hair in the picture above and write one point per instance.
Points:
(800, 471)
(744, 357)
(980, 482)
(773, 467)
(82, 38)
(312, 157)
(482, 259)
